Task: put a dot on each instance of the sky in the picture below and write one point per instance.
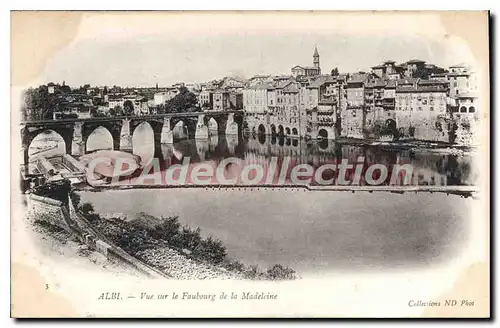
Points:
(144, 50)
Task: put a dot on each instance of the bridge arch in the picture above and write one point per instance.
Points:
(295, 131)
(273, 129)
(213, 126)
(113, 127)
(46, 143)
(29, 134)
(180, 129)
(287, 131)
(262, 129)
(281, 130)
(143, 141)
(100, 138)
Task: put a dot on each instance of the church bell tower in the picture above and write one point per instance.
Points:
(316, 58)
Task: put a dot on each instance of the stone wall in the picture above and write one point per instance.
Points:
(465, 132)
(254, 120)
(49, 210)
(432, 129)
(352, 123)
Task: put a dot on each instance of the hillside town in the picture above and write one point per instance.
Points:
(393, 101)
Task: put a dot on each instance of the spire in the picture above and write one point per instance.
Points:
(316, 58)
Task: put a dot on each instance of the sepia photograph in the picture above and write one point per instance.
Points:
(316, 164)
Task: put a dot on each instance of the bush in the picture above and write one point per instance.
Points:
(167, 228)
(57, 190)
(189, 239)
(75, 198)
(210, 250)
(92, 217)
(133, 241)
(252, 272)
(280, 272)
(86, 208)
(147, 231)
(234, 266)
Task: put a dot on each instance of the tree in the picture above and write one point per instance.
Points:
(183, 102)
(160, 109)
(116, 111)
(128, 107)
(335, 72)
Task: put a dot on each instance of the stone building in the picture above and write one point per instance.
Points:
(315, 70)
(353, 118)
(374, 98)
(255, 98)
(221, 100)
(389, 100)
(205, 99)
(320, 101)
(421, 109)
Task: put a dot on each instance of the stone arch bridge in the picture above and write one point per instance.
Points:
(75, 132)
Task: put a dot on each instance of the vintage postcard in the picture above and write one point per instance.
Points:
(250, 164)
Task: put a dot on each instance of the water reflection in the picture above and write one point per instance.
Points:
(429, 168)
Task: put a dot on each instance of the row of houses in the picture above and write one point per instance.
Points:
(415, 99)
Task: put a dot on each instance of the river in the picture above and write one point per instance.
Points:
(308, 231)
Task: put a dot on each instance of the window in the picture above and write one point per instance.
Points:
(431, 109)
(420, 109)
(472, 109)
(463, 109)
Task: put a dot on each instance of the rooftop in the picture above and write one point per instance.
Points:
(322, 79)
(415, 61)
(261, 86)
(291, 88)
(357, 78)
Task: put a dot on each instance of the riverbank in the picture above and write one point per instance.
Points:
(62, 247)
(416, 145)
(178, 251)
